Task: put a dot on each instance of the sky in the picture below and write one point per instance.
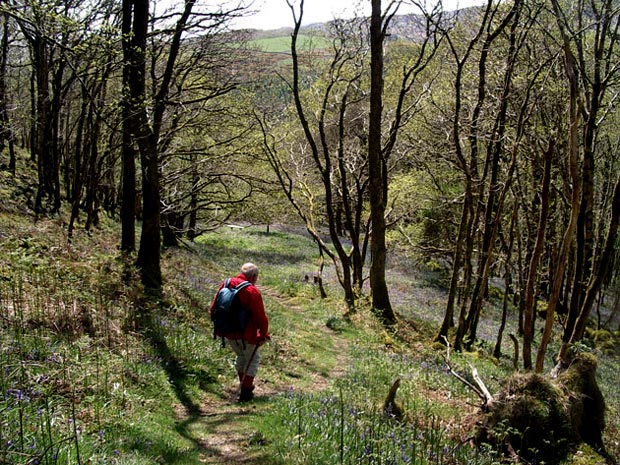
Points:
(273, 14)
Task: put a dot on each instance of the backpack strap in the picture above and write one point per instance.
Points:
(243, 285)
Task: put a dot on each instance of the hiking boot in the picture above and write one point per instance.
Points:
(247, 394)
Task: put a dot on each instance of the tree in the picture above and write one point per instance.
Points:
(93, 127)
(207, 169)
(146, 128)
(334, 139)
(129, 196)
(377, 167)
(478, 136)
(44, 38)
(136, 12)
(408, 96)
(461, 254)
(589, 79)
(337, 140)
(532, 274)
(6, 131)
(497, 188)
(59, 35)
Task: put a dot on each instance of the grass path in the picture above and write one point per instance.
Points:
(224, 426)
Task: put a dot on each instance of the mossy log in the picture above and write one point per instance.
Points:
(542, 419)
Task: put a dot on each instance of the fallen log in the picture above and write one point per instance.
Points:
(541, 419)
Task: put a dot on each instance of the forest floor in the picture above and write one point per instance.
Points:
(307, 354)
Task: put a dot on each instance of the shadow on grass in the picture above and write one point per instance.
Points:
(176, 373)
(216, 434)
(230, 254)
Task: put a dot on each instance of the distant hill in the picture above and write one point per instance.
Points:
(269, 49)
(406, 27)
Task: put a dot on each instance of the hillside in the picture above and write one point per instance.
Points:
(94, 372)
(403, 26)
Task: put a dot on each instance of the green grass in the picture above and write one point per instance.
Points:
(345, 424)
(324, 429)
(82, 383)
(282, 44)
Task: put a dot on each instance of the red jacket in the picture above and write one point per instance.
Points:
(257, 328)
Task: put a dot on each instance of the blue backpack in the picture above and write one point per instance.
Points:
(228, 314)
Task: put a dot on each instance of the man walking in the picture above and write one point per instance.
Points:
(246, 342)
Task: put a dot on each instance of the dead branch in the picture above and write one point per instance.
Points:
(479, 387)
(488, 398)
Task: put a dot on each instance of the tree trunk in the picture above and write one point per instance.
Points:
(448, 319)
(43, 140)
(469, 172)
(56, 102)
(562, 257)
(496, 193)
(532, 273)
(170, 236)
(150, 238)
(461, 328)
(33, 117)
(593, 96)
(497, 351)
(91, 197)
(6, 132)
(376, 168)
(128, 199)
(78, 172)
(148, 260)
(192, 231)
(602, 267)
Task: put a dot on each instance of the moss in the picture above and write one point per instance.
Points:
(585, 455)
(495, 293)
(531, 417)
(610, 347)
(607, 341)
(438, 346)
(543, 419)
(587, 408)
(581, 365)
(601, 335)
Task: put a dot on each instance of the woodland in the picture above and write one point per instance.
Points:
(481, 144)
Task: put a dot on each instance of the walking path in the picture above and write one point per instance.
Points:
(224, 439)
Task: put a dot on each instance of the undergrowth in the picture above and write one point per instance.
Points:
(83, 380)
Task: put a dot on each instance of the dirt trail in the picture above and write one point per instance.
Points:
(226, 442)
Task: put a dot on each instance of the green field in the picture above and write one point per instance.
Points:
(282, 44)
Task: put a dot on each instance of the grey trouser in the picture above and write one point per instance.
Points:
(244, 353)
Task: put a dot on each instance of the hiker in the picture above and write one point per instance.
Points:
(246, 342)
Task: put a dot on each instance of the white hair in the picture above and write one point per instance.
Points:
(250, 270)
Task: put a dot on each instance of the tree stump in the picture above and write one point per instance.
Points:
(538, 418)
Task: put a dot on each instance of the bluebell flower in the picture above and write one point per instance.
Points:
(19, 395)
